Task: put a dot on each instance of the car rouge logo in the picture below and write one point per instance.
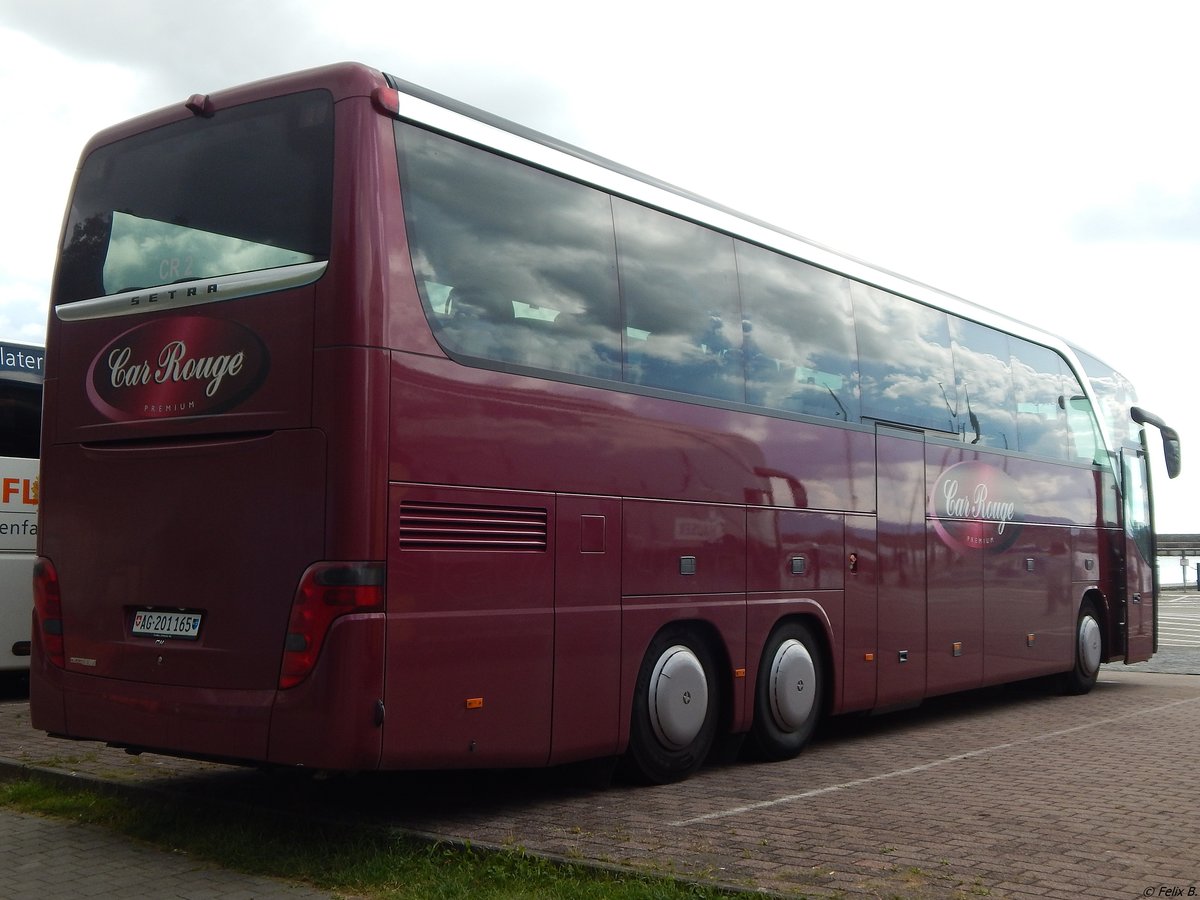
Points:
(187, 366)
(975, 506)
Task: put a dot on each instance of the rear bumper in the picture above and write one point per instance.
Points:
(333, 720)
(188, 721)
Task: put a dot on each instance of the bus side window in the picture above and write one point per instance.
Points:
(983, 369)
(537, 251)
(679, 283)
(1038, 383)
(798, 337)
(479, 323)
(1083, 430)
(906, 361)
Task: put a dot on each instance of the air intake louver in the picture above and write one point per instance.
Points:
(454, 526)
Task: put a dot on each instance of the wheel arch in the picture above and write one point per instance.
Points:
(794, 652)
(710, 634)
(648, 756)
(818, 624)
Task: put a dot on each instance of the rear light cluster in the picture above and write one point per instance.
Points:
(327, 590)
(47, 610)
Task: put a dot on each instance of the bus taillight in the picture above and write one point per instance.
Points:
(327, 591)
(47, 605)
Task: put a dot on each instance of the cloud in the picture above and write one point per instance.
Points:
(996, 153)
(177, 49)
(1152, 213)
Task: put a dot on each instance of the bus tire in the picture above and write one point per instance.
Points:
(675, 708)
(788, 694)
(1088, 652)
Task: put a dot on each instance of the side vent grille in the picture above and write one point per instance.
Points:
(454, 526)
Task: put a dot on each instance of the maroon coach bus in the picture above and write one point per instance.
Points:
(381, 433)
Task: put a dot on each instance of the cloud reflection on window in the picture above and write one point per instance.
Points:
(147, 253)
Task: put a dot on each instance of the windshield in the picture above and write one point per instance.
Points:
(247, 189)
(1116, 396)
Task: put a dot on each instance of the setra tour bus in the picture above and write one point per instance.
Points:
(382, 433)
(21, 372)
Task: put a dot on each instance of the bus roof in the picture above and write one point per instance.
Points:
(453, 117)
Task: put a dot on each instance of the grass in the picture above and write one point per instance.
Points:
(340, 858)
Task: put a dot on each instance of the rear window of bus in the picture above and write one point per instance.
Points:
(248, 189)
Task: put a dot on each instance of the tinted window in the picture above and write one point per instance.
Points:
(907, 367)
(985, 385)
(682, 317)
(518, 265)
(1041, 416)
(513, 264)
(249, 188)
(1137, 504)
(798, 336)
(20, 419)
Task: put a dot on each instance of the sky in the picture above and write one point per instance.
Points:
(1039, 158)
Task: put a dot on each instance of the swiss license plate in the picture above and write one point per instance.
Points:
(152, 623)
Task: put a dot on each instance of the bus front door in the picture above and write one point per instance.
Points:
(1139, 558)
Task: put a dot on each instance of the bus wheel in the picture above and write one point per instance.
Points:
(674, 708)
(1088, 647)
(788, 694)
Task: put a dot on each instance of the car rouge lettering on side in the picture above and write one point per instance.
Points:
(975, 506)
(186, 366)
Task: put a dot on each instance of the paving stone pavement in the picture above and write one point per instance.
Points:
(1015, 793)
(47, 859)
(1170, 661)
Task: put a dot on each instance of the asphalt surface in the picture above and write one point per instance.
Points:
(1002, 793)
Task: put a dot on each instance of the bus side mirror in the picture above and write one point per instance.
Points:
(1172, 452)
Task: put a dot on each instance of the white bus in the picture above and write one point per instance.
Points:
(21, 375)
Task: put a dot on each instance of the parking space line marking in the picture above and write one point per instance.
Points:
(924, 767)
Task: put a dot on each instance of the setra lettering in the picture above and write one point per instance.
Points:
(171, 293)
